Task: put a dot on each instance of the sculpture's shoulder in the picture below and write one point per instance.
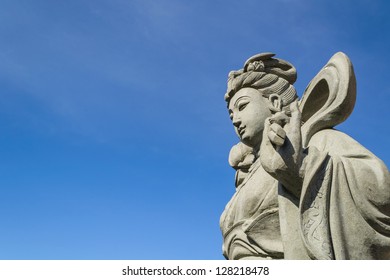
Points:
(343, 148)
(337, 143)
(329, 138)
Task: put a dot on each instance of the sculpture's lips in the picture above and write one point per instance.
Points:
(241, 130)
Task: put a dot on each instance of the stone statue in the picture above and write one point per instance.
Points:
(303, 189)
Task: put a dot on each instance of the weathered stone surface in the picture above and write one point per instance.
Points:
(303, 189)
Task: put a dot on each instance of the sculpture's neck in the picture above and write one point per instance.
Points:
(256, 151)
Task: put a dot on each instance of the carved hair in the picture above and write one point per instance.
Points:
(266, 74)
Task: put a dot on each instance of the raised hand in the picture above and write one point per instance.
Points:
(281, 151)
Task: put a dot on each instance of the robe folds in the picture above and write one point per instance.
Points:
(343, 211)
(250, 221)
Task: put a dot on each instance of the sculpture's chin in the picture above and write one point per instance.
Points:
(253, 142)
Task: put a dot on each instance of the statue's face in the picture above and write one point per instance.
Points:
(248, 110)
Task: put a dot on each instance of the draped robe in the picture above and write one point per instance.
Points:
(344, 208)
(343, 211)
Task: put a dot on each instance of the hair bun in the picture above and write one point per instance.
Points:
(263, 62)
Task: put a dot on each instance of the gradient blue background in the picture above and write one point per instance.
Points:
(114, 132)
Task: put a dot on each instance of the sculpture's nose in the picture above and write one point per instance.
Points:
(236, 121)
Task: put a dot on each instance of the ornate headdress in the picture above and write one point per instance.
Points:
(267, 74)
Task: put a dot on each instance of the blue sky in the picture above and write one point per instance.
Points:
(114, 132)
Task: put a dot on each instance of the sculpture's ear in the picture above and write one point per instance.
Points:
(329, 98)
(275, 102)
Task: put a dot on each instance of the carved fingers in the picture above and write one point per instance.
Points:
(276, 134)
(284, 125)
(295, 121)
(270, 158)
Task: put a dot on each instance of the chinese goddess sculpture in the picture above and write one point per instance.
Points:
(304, 190)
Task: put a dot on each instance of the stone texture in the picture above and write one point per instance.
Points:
(303, 189)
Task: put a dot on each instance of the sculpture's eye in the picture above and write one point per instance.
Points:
(242, 105)
(231, 116)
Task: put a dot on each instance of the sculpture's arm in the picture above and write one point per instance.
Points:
(281, 150)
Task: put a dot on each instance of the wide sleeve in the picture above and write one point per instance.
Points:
(344, 207)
